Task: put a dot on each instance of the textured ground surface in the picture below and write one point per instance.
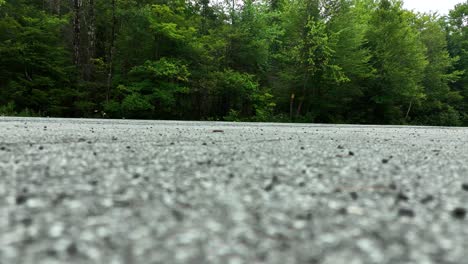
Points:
(96, 191)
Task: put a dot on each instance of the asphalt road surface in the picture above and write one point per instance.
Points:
(118, 191)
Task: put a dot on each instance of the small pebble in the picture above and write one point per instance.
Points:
(273, 183)
(72, 249)
(51, 252)
(60, 198)
(21, 199)
(427, 199)
(465, 187)
(402, 197)
(343, 211)
(27, 221)
(459, 213)
(177, 215)
(94, 182)
(406, 212)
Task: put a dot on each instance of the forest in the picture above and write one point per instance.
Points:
(311, 61)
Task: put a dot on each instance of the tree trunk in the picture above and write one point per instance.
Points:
(111, 52)
(304, 90)
(299, 107)
(58, 7)
(409, 110)
(77, 32)
(55, 6)
(91, 39)
(92, 30)
(291, 106)
(204, 14)
(232, 11)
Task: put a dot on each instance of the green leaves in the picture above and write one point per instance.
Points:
(360, 61)
(135, 104)
(398, 56)
(169, 22)
(153, 88)
(457, 34)
(241, 95)
(33, 58)
(167, 69)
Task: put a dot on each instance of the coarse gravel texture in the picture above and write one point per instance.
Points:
(118, 191)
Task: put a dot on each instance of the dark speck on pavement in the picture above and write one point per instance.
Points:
(207, 192)
(459, 213)
(406, 212)
(465, 187)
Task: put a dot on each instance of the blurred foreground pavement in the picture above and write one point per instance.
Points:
(118, 191)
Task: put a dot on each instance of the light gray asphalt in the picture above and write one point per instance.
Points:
(117, 191)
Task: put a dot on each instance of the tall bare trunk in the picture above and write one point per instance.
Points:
(92, 30)
(409, 110)
(304, 90)
(77, 32)
(231, 4)
(91, 49)
(204, 14)
(111, 51)
(291, 106)
(55, 6)
(233, 10)
(58, 7)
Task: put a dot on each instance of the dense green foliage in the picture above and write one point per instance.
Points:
(332, 61)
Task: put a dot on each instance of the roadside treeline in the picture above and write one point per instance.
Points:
(337, 61)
